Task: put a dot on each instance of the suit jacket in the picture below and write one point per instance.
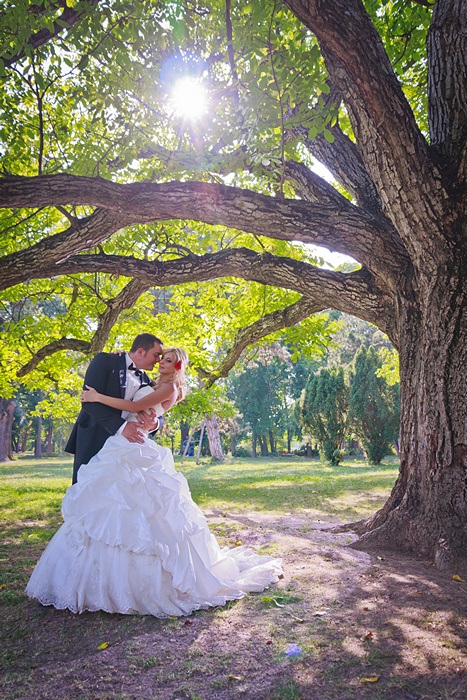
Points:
(96, 422)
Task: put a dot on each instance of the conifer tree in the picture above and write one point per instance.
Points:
(373, 406)
(324, 411)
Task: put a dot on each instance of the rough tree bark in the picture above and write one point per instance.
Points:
(7, 411)
(215, 444)
(423, 193)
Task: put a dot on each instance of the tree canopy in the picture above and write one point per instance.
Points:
(109, 187)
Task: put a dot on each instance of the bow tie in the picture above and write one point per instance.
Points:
(138, 373)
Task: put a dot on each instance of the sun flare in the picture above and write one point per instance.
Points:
(189, 98)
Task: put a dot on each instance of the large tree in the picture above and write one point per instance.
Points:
(92, 152)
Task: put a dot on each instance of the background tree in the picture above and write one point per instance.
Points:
(264, 393)
(324, 411)
(374, 412)
(255, 398)
(7, 412)
(95, 146)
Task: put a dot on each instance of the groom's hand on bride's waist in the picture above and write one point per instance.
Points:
(133, 432)
(148, 420)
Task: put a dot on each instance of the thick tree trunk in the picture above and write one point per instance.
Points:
(7, 411)
(253, 446)
(215, 444)
(427, 510)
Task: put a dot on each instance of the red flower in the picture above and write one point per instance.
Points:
(178, 365)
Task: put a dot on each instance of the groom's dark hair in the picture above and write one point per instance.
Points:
(145, 341)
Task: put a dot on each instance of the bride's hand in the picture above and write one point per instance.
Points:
(89, 394)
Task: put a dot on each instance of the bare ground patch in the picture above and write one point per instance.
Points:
(350, 615)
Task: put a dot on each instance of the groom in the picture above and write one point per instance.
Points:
(120, 376)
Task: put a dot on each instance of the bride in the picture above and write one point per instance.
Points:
(133, 540)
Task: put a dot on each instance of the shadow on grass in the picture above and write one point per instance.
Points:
(415, 614)
(416, 648)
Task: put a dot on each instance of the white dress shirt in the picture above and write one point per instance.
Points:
(132, 385)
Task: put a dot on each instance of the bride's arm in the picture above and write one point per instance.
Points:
(162, 392)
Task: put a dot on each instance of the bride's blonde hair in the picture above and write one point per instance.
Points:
(180, 363)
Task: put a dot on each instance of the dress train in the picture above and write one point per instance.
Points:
(134, 541)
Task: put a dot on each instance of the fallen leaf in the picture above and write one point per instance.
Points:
(370, 679)
(238, 543)
(102, 646)
(456, 577)
(269, 641)
(368, 635)
(297, 619)
(380, 558)
(231, 677)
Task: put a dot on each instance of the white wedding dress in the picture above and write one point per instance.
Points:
(133, 541)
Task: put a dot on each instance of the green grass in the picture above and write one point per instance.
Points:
(31, 492)
(291, 485)
(47, 653)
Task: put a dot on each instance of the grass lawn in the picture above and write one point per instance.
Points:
(330, 594)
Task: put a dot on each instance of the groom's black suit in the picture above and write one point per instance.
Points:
(96, 422)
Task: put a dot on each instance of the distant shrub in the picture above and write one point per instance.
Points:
(303, 451)
(337, 456)
(241, 452)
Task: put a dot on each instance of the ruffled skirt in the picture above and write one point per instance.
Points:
(133, 541)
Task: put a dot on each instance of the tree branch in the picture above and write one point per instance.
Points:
(81, 235)
(447, 85)
(229, 32)
(310, 186)
(355, 293)
(69, 15)
(124, 300)
(368, 239)
(50, 349)
(343, 160)
(282, 318)
(392, 147)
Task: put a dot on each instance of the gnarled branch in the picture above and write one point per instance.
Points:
(282, 318)
(356, 293)
(369, 239)
(393, 149)
(51, 348)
